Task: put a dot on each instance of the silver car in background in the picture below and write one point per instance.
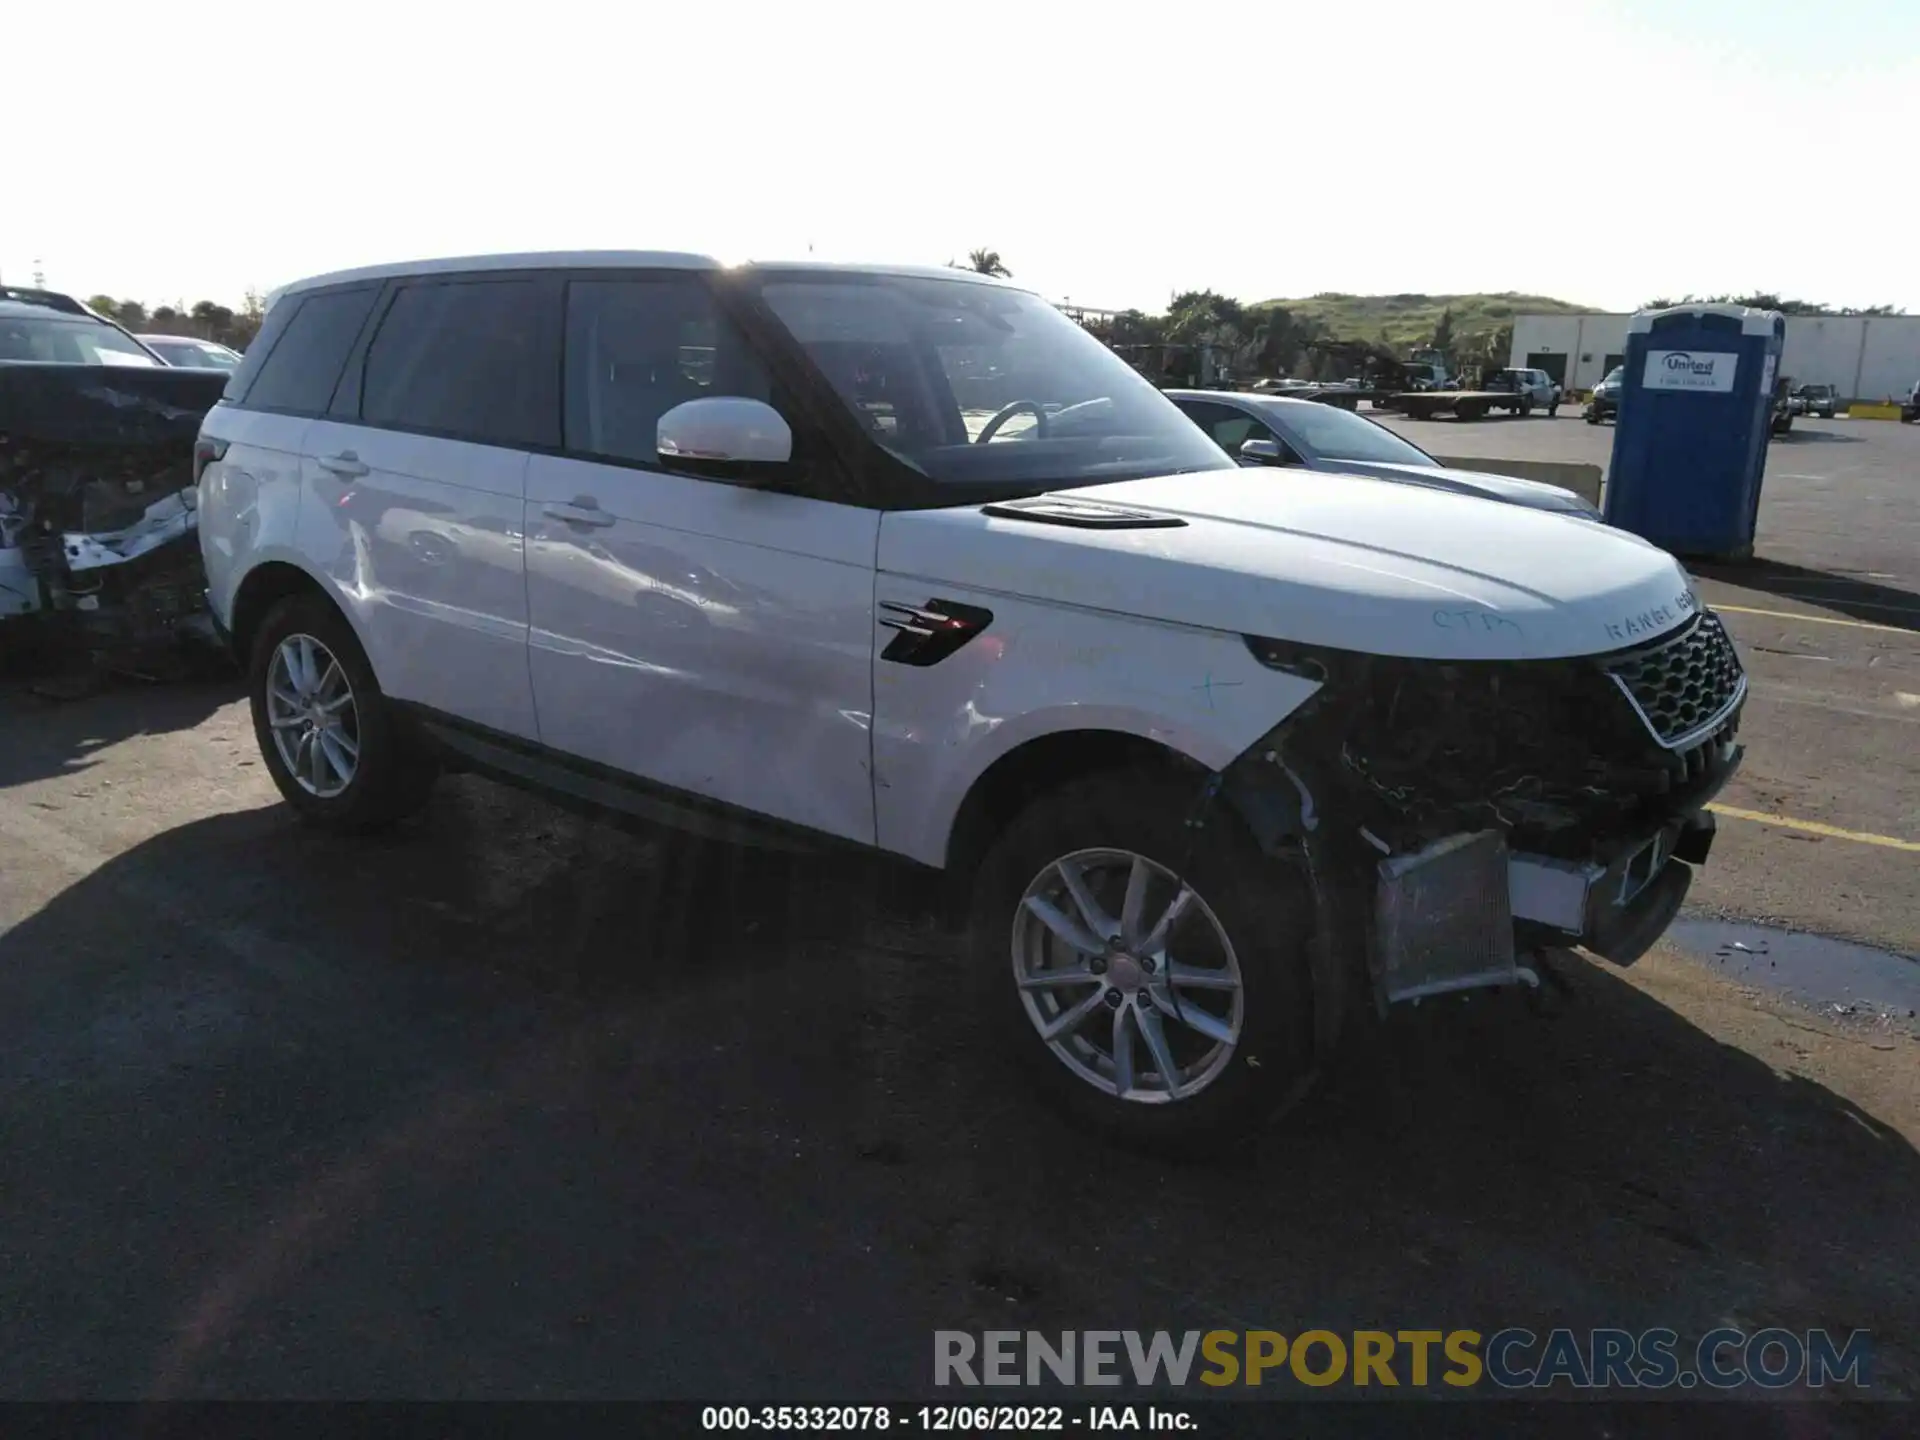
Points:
(191, 352)
(1274, 430)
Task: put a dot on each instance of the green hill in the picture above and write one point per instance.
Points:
(1410, 319)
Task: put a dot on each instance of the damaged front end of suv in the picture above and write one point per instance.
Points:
(1458, 818)
(99, 552)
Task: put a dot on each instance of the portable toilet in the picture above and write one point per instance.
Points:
(1690, 442)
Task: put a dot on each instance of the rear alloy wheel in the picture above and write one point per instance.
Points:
(316, 726)
(1152, 976)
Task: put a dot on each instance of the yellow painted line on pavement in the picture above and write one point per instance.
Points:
(1814, 827)
(1815, 619)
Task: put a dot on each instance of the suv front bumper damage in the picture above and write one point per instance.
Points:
(1467, 816)
(1460, 914)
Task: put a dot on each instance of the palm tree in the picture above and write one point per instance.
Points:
(988, 262)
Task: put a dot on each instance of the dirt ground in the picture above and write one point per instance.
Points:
(517, 1104)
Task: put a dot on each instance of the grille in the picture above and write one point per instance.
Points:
(1684, 686)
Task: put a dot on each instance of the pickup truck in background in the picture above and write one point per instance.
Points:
(1821, 400)
(99, 549)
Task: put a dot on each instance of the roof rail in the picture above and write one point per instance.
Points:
(52, 299)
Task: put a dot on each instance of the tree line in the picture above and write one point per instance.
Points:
(1762, 300)
(204, 319)
(1264, 339)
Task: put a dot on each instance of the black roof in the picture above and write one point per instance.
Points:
(43, 300)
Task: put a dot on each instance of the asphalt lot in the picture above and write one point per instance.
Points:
(515, 1104)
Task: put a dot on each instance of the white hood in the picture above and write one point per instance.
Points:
(1356, 564)
(1537, 493)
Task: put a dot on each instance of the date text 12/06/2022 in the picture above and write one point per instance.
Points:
(943, 1419)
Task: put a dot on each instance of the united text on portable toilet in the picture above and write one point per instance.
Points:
(1690, 447)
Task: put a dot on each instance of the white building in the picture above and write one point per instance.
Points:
(1865, 357)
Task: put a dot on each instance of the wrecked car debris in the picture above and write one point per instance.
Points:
(99, 545)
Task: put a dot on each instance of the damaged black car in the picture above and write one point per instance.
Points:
(99, 549)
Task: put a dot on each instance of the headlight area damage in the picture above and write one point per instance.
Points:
(99, 548)
(1458, 818)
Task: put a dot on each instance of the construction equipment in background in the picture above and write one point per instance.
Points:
(1173, 365)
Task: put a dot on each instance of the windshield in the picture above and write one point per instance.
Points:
(1613, 375)
(59, 340)
(182, 351)
(978, 386)
(1331, 433)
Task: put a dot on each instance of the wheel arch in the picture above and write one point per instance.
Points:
(266, 585)
(1043, 763)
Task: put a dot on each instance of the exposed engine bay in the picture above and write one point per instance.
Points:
(99, 545)
(1466, 814)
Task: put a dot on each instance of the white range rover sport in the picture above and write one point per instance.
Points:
(909, 560)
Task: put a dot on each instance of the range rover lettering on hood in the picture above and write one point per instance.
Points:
(1332, 560)
(1655, 620)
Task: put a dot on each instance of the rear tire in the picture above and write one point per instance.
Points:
(347, 764)
(1239, 1053)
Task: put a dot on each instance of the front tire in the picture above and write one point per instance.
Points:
(328, 736)
(1153, 977)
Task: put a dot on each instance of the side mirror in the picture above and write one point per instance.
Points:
(728, 436)
(1261, 452)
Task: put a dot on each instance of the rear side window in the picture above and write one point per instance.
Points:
(637, 348)
(469, 359)
(301, 364)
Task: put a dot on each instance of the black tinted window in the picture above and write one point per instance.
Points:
(301, 365)
(467, 358)
(637, 348)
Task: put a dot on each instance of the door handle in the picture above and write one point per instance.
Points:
(346, 464)
(588, 515)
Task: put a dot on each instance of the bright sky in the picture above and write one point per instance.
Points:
(1604, 153)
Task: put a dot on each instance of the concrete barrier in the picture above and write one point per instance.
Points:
(1581, 479)
(1858, 411)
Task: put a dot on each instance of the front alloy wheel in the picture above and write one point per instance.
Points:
(313, 717)
(1128, 976)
